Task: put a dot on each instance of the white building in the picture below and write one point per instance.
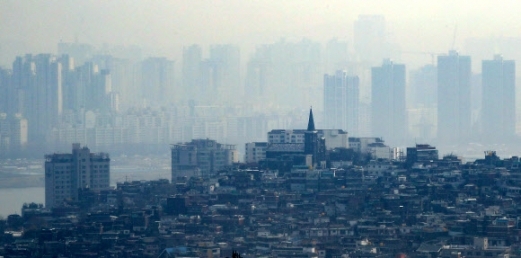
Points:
(335, 138)
(341, 96)
(65, 174)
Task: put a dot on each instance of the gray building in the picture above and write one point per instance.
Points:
(388, 111)
(423, 90)
(66, 174)
(192, 58)
(222, 74)
(454, 115)
(421, 153)
(157, 81)
(37, 87)
(201, 157)
(498, 112)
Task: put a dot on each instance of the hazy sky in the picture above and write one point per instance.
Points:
(165, 26)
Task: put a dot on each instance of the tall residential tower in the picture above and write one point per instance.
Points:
(454, 115)
(388, 111)
(498, 112)
(341, 96)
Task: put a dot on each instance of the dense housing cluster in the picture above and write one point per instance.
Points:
(421, 207)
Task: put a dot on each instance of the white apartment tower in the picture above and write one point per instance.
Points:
(341, 101)
(65, 174)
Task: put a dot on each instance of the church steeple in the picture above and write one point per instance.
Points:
(311, 122)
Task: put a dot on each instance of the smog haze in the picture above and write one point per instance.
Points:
(163, 27)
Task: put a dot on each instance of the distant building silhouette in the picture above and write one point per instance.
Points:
(13, 134)
(454, 115)
(201, 157)
(38, 93)
(498, 112)
(221, 74)
(157, 78)
(192, 57)
(370, 39)
(422, 99)
(341, 99)
(423, 90)
(388, 110)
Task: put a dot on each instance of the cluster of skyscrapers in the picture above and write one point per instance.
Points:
(445, 90)
(114, 96)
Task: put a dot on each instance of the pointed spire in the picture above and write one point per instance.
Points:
(311, 122)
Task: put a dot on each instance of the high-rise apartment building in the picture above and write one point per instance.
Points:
(13, 134)
(222, 73)
(454, 83)
(6, 93)
(37, 89)
(18, 133)
(157, 81)
(422, 96)
(88, 88)
(124, 80)
(256, 79)
(498, 112)
(423, 90)
(284, 68)
(388, 111)
(341, 97)
(66, 174)
(192, 58)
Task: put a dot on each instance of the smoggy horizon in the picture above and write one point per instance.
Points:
(163, 28)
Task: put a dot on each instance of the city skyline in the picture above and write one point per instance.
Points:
(52, 101)
(82, 84)
(295, 128)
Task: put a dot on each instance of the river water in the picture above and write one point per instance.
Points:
(14, 193)
(12, 199)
